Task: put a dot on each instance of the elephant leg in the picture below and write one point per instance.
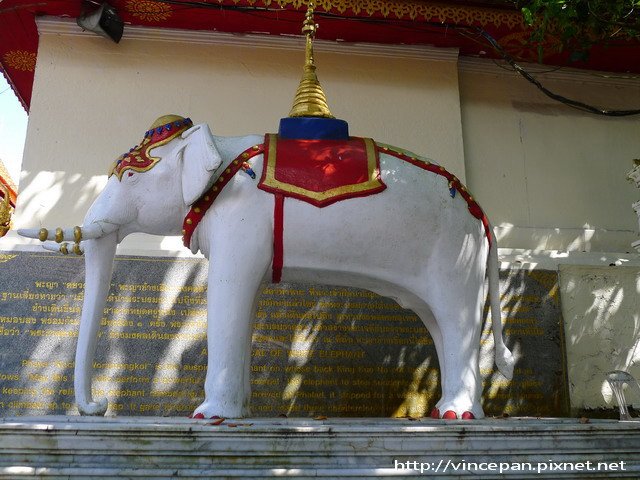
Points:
(233, 288)
(429, 321)
(460, 325)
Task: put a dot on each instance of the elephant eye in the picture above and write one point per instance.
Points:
(130, 174)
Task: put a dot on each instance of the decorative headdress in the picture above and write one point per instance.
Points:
(138, 159)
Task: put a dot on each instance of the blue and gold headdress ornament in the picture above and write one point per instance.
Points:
(138, 159)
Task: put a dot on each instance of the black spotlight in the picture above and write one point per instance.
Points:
(104, 21)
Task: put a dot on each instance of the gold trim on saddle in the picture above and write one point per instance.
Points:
(372, 184)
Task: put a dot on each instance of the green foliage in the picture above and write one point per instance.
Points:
(580, 24)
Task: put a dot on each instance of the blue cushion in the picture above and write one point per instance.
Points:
(313, 128)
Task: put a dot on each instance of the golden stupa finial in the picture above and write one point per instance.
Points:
(310, 100)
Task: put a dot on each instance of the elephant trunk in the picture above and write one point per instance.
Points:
(99, 255)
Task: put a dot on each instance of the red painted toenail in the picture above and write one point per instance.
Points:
(435, 413)
(468, 416)
(450, 415)
(199, 415)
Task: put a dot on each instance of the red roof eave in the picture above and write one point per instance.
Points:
(395, 21)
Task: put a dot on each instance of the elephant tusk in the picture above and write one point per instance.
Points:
(96, 230)
(44, 234)
(65, 248)
(54, 247)
(39, 233)
(75, 234)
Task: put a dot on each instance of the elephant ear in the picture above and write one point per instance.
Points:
(200, 159)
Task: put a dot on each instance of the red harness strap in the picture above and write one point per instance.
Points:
(200, 207)
(454, 184)
(278, 242)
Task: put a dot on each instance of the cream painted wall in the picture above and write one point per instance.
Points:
(551, 177)
(602, 330)
(94, 99)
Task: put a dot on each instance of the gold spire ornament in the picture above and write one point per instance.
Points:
(310, 100)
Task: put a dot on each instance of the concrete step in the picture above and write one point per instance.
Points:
(144, 447)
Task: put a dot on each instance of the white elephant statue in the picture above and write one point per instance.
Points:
(415, 235)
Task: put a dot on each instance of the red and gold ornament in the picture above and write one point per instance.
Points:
(139, 158)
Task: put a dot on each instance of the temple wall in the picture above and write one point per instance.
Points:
(602, 329)
(551, 177)
(551, 180)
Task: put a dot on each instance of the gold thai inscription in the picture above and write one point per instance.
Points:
(316, 350)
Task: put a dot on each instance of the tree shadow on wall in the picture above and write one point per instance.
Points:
(340, 352)
(605, 336)
(317, 350)
(353, 353)
(534, 332)
(151, 352)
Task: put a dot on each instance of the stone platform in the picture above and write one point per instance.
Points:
(145, 447)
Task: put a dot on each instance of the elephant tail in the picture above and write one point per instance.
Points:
(503, 357)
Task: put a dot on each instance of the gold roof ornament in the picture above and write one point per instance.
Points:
(310, 100)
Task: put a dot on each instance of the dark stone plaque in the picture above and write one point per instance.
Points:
(317, 350)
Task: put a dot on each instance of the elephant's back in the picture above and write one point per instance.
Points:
(414, 218)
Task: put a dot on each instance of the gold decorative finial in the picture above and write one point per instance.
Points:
(310, 100)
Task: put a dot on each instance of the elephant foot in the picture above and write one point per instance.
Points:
(211, 410)
(200, 416)
(451, 415)
(93, 408)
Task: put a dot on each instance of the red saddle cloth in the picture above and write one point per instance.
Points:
(321, 172)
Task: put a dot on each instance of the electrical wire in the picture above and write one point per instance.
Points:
(460, 29)
(537, 72)
(560, 98)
